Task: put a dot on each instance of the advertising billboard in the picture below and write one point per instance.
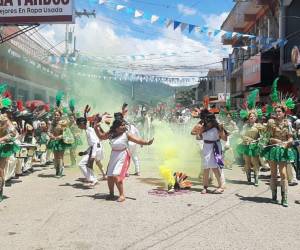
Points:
(36, 11)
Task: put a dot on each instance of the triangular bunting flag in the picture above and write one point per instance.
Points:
(138, 13)
(120, 7)
(168, 22)
(102, 1)
(183, 26)
(191, 27)
(176, 24)
(216, 32)
(154, 18)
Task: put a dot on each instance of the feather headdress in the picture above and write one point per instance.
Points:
(251, 105)
(227, 110)
(279, 99)
(5, 102)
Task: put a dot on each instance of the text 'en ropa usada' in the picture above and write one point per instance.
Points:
(33, 2)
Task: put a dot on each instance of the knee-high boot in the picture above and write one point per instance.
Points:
(284, 193)
(1, 188)
(56, 165)
(273, 186)
(60, 167)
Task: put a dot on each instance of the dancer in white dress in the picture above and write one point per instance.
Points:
(120, 157)
(211, 133)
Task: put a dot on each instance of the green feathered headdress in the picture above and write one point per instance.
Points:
(278, 99)
(59, 96)
(228, 104)
(251, 105)
(72, 105)
(6, 103)
(275, 94)
(3, 88)
(251, 100)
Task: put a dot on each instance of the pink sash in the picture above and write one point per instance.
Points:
(125, 166)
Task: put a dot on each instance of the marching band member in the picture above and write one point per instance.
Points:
(7, 147)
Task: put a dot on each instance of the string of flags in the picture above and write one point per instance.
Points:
(142, 78)
(264, 42)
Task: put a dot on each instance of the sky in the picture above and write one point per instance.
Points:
(174, 53)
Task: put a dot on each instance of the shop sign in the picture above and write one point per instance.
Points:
(36, 11)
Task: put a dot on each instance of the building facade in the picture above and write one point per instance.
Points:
(25, 68)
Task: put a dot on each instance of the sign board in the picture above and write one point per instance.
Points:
(222, 96)
(36, 11)
(252, 70)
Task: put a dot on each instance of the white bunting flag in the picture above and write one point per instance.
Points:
(154, 18)
(102, 1)
(138, 13)
(120, 7)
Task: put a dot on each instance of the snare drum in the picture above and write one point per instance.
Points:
(22, 153)
(41, 148)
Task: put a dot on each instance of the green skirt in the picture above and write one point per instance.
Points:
(58, 145)
(249, 150)
(8, 149)
(280, 154)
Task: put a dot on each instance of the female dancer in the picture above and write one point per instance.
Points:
(279, 152)
(249, 148)
(119, 158)
(56, 143)
(7, 147)
(211, 133)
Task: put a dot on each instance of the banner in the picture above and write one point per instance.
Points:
(36, 11)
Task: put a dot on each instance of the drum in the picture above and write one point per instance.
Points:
(41, 148)
(22, 153)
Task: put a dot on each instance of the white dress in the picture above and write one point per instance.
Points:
(120, 158)
(208, 148)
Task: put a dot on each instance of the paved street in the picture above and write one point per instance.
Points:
(43, 212)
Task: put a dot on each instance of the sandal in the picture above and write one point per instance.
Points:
(204, 191)
(121, 199)
(218, 191)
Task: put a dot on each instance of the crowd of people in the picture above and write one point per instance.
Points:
(267, 140)
(259, 140)
(38, 134)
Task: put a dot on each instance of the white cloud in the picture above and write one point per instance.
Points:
(98, 37)
(215, 21)
(185, 10)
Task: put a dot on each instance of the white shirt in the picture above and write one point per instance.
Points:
(92, 140)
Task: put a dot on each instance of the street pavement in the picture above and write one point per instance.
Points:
(43, 212)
